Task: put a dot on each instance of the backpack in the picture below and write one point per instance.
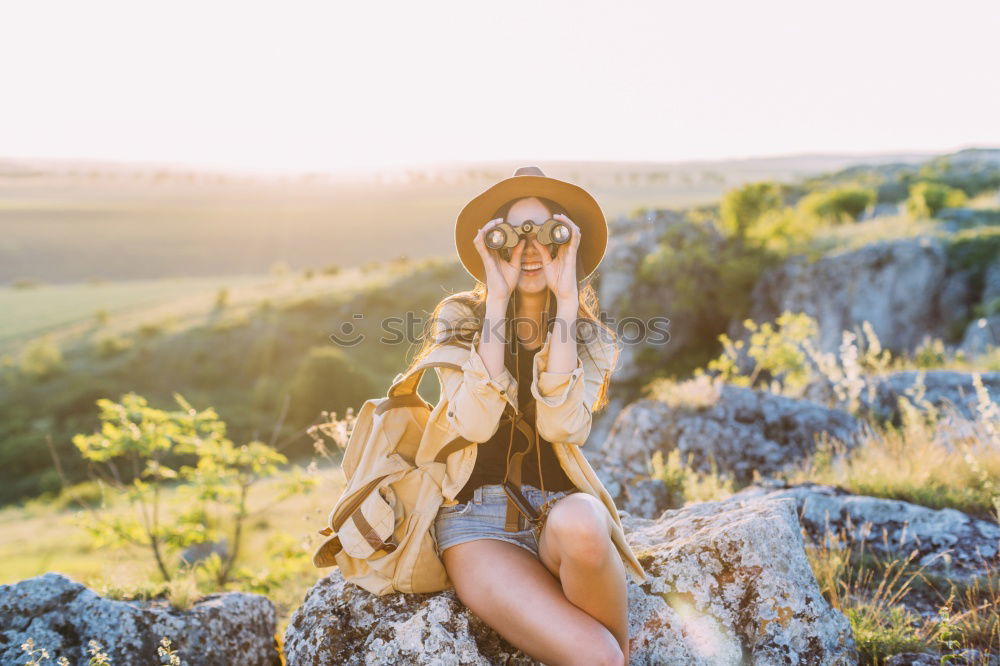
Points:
(379, 531)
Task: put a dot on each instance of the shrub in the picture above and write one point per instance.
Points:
(217, 485)
(151, 329)
(41, 358)
(839, 205)
(926, 199)
(783, 231)
(684, 483)
(743, 206)
(221, 298)
(326, 380)
(110, 345)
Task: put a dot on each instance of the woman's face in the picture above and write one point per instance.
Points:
(532, 278)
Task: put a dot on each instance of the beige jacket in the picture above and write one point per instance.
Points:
(472, 403)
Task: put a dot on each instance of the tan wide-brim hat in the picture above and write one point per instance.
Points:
(529, 181)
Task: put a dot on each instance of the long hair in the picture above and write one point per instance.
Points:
(588, 312)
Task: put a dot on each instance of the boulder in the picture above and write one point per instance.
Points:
(743, 430)
(731, 584)
(62, 616)
(948, 542)
(904, 288)
(940, 388)
(983, 333)
(981, 336)
(879, 210)
(727, 584)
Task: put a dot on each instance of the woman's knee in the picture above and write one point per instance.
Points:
(580, 526)
(606, 652)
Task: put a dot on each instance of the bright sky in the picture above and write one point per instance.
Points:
(294, 85)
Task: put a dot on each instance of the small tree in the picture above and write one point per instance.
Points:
(927, 199)
(775, 349)
(743, 206)
(838, 205)
(148, 444)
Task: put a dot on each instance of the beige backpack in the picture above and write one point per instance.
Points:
(379, 531)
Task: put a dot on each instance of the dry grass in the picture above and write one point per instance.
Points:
(879, 595)
(935, 460)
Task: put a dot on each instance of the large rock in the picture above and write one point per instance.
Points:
(62, 616)
(629, 243)
(904, 288)
(940, 388)
(651, 306)
(981, 336)
(728, 585)
(741, 429)
(947, 541)
(983, 333)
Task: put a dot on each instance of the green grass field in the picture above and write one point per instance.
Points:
(68, 312)
(43, 536)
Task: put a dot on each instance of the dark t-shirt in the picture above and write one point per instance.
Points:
(492, 454)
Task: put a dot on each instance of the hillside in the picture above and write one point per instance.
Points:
(79, 221)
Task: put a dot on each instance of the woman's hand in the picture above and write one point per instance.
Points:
(560, 271)
(501, 276)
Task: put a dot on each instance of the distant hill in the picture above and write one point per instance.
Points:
(72, 221)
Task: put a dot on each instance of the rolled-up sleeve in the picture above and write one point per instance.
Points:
(563, 401)
(475, 399)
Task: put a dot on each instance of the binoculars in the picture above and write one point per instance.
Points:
(505, 236)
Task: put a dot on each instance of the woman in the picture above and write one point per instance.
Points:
(558, 591)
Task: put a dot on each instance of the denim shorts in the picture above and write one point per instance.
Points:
(484, 516)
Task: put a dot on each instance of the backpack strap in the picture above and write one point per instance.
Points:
(403, 392)
(407, 383)
(407, 400)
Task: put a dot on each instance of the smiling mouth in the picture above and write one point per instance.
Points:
(531, 267)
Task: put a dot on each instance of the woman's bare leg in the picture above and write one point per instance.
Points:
(576, 546)
(512, 591)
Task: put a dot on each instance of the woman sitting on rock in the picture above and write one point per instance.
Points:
(536, 550)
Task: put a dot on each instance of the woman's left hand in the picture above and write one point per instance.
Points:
(560, 271)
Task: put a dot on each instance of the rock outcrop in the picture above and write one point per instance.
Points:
(741, 429)
(983, 333)
(948, 542)
(904, 288)
(728, 584)
(981, 336)
(940, 388)
(62, 616)
(629, 292)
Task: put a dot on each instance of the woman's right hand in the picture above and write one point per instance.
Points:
(501, 276)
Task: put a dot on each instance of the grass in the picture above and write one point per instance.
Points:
(252, 361)
(879, 595)
(685, 484)
(848, 237)
(937, 457)
(76, 314)
(36, 538)
(949, 462)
